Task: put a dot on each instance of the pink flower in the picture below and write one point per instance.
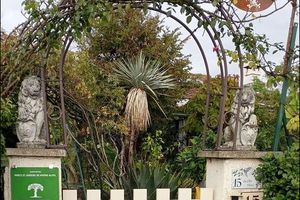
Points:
(216, 49)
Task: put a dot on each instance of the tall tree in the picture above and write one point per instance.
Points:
(144, 78)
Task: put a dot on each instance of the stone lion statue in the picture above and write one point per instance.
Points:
(30, 111)
(247, 123)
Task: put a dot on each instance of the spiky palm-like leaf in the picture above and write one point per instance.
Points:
(144, 77)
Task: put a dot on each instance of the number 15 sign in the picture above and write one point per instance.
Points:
(244, 178)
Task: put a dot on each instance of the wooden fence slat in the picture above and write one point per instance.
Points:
(117, 194)
(184, 194)
(140, 194)
(206, 194)
(163, 194)
(69, 194)
(93, 194)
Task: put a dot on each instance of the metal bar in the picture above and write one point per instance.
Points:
(224, 76)
(80, 170)
(64, 51)
(284, 88)
(237, 128)
(44, 96)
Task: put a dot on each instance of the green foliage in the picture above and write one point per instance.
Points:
(8, 117)
(96, 90)
(292, 105)
(133, 32)
(144, 176)
(152, 148)
(8, 113)
(3, 153)
(196, 106)
(189, 163)
(145, 78)
(292, 112)
(90, 83)
(145, 74)
(280, 175)
(266, 108)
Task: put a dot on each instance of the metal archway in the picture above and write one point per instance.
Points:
(68, 9)
(216, 41)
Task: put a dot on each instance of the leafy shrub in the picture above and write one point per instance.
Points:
(189, 163)
(143, 176)
(152, 148)
(279, 175)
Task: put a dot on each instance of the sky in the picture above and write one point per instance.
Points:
(275, 27)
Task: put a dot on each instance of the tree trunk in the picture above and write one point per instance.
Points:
(122, 153)
(35, 192)
(131, 147)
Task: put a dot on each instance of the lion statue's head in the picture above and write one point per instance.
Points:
(248, 96)
(31, 87)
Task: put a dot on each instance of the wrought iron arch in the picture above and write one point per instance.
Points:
(213, 34)
(68, 9)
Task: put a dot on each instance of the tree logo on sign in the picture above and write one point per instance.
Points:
(35, 187)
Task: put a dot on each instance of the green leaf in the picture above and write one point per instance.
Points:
(200, 23)
(182, 9)
(169, 13)
(188, 19)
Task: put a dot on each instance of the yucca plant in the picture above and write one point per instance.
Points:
(144, 77)
(142, 176)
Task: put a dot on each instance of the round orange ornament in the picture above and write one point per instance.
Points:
(253, 5)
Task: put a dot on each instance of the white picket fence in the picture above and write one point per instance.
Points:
(141, 194)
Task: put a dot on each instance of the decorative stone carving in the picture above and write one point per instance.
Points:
(30, 114)
(247, 123)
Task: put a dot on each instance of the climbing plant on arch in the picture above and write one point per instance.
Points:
(54, 25)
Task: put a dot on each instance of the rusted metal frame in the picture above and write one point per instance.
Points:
(241, 83)
(293, 26)
(223, 98)
(44, 95)
(206, 68)
(67, 42)
(89, 124)
(224, 84)
(285, 70)
(238, 124)
(224, 75)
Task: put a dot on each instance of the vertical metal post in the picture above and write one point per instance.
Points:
(238, 124)
(44, 96)
(284, 89)
(80, 170)
(64, 51)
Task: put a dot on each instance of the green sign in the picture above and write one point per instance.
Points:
(34, 183)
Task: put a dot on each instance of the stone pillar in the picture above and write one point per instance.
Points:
(231, 174)
(33, 173)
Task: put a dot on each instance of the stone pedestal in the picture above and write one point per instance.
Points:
(230, 174)
(33, 173)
